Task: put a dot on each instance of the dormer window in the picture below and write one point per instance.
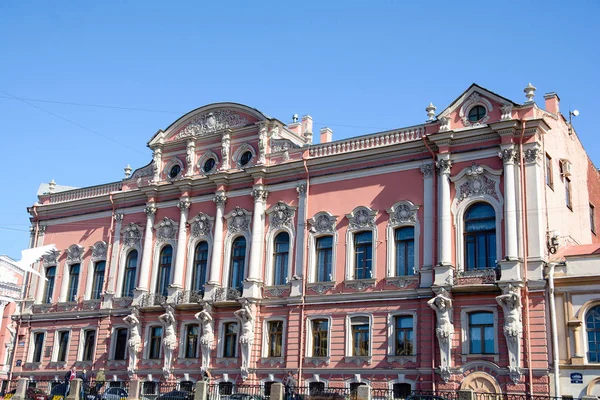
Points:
(245, 158)
(477, 113)
(174, 171)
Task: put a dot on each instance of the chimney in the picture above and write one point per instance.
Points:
(307, 124)
(552, 103)
(326, 135)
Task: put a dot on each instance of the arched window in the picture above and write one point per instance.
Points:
(238, 261)
(280, 258)
(324, 257)
(592, 327)
(164, 270)
(480, 237)
(200, 262)
(405, 251)
(49, 289)
(363, 255)
(130, 273)
(73, 282)
(98, 279)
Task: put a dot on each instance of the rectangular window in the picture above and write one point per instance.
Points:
(568, 193)
(38, 345)
(324, 253)
(320, 333)
(191, 341)
(98, 281)
(405, 251)
(89, 340)
(63, 345)
(403, 327)
(275, 331)
(230, 339)
(549, 177)
(49, 288)
(481, 333)
(73, 282)
(155, 342)
(360, 336)
(592, 219)
(120, 338)
(363, 255)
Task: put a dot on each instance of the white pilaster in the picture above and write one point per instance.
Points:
(535, 209)
(426, 277)
(147, 250)
(509, 156)
(217, 251)
(251, 287)
(444, 270)
(296, 289)
(184, 206)
(114, 257)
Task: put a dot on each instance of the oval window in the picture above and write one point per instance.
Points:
(245, 158)
(476, 113)
(175, 170)
(209, 165)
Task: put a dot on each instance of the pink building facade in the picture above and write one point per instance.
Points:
(410, 259)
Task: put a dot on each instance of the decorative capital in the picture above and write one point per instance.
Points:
(508, 156)
(532, 155)
(31, 231)
(119, 217)
(427, 171)
(444, 166)
(506, 112)
(184, 205)
(301, 189)
(220, 199)
(259, 194)
(150, 210)
(444, 124)
(41, 230)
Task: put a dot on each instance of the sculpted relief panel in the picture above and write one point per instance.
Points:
(212, 122)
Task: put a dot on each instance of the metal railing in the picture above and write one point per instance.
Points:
(229, 391)
(167, 391)
(477, 276)
(190, 296)
(152, 299)
(227, 294)
(84, 193)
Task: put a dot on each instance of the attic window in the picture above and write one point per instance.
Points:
(174, 171)
(477, 113)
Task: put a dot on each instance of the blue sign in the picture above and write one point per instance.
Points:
(576, 377)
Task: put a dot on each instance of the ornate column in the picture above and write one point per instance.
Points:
(143, 281)
(296, 289)
(578, 357)
(114, 256)
(425, 271)
(190, 158)
(536, 212)
(184, 206)
(156, 164)
(443, 270)
(510, 301)
(510, 263)
(225, 149)
(251, 287)
(442, 305)
(217, 251)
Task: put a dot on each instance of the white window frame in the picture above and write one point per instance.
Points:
(316, 378)
(269, 265)
(227, 257)
(353, 230)
(242, 148)
(123, 260)
(81, 346)
(192, 243)
(147, 342)
(357, 378)
(156, 258)
(401, 379)
(56, 345)
(170, 164)
(391, 350)
(314, 233)
(221, 343)
(349, 317)
(583, 311)
(91, 269)
(265, 338)
(113, 341)
(31, 349)
(464, 328)
(183, 340)
(64, 284)
(200, 164)
(397, 219)
(66, 279)
(308, 353)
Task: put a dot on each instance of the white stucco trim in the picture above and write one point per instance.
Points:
(221, 341)
(401, 379)
(155, 260)
(147, 335)
(31, 348)
(56, 345)
(391, 350)
(113, 341)
(314, 233)
(81, 345)
(394, 222)
(464, 328)
(270, 259)
(308, 351)
(123, 268)
(265, 336)
(191, 250)
(352, 229)
(183, 340)
(349, 317)
(227, 256)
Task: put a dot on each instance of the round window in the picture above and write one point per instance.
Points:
(477, 113)
(175, 170)
(245, 158)
(209, 165)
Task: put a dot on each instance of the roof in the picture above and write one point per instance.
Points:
(578, 251)
(45, 188)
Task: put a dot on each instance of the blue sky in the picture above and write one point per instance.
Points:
(357, 67)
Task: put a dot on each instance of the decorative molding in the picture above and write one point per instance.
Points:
(281, 215)
(320, 287)
(532, 155)
(473, 100)
(322, 223)
(75, 253)
(99, 250)
(201, 225)
(166, 230)
(506, 112)
(317, 361)
(259, 194)
(276, 291)
(442, 305)
(301, 189)
(510, 301)
(474, 181)
(123, 302)
(361, 218)
(272, 361)
(508, 156)
(51, 258)
(220, 199)
(359, 284)
(401, 359)
(119, 217)
(184, 205)
(93, 304)
(444, 166)
(132, 235)
(238, 221)
(444, 124)
(167, 169)
(226, 361)
(207, 155)
(282, 145)
(427, 171)
(156, 163)
(238, 155)
(358, 360)
(403, 282)
(211, 122)
(150, 210)
(143, 172)
(403, 213)
(225, 150)
(262, 143)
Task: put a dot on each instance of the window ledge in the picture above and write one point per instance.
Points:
(226, 360)
(116, 363)
(87, 364)
(401, 359)
(272, 361)
(91, 304)
(320, 287)
(402, 282)
(189, 361)
(151, 362)
(277, 291)
(123, 302)
(317, 361)
(43, 308)
(359, 284)
(32, 365)
(358, 360)
(67, 306)
(58, 364)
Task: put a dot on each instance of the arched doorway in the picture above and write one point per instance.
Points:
(483, 384)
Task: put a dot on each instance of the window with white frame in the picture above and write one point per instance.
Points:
(238, 263)
(405, 250)
(360, 336)
(275, 338)
(361, 237)
(402, 238)
(230, 339)
(354, 388)
(280, 243)
(73, 282)
(403, 344)
(225, 388)
(120, 337)
(191, 340)
(324, 256)
(62, 345)
(130, 273)
(480, 237)
(89, 342)
(49, 287)
(481, 335)
(319, 337)
(200, 266)
(98, 281)
(401, 390)
(154, 342)
(321, 247)
(164, 270)
(592, 329)
(281, 251)
(37, 346)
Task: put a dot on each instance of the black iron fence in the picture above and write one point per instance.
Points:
(229, 391)
(167, 391)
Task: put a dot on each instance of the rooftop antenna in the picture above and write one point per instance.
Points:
(572, 114)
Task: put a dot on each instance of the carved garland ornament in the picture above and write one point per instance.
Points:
(166, 230)
(75, 253)
(322, 223)
(238, 221)
(361, 218)
(403, 213)
(99, 250)
(201, 225)
(211, 122)
(477, 184)
(50, 258)
(132, 235)
(281, 215)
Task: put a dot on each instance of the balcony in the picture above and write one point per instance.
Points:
(486, 276)
(190, 296)
(152, 300)
(227, 294)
